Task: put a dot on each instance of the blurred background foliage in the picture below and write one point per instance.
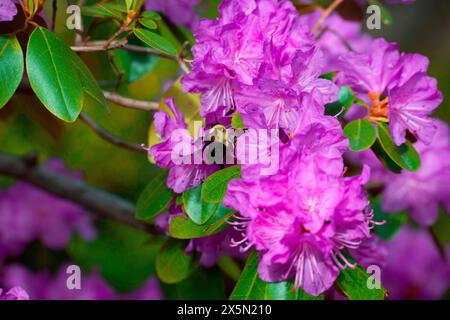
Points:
(125, 256)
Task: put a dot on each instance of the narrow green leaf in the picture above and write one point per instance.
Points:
(237, 122)
(11, 67)
(173, 265)
(148, 23)
(155, 41)
(215, 186)
(184, 228)
(384, 158)
(151, 15)
(53, 76)
(155, 198)
(105, 10)
(361, 135)
(354, 283)
(404, 155)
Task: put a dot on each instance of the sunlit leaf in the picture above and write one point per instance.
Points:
(215, 186)
(11, 67)
(155, 41)
(361, 134)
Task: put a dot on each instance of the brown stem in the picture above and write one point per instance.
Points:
(99, 203)
(326, 13)
(109, 137)
(131, 103)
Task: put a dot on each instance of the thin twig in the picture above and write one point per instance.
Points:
(100, 203)
(109, 137)
(54, 11)
(131, 103)
(326, 13)
(122, 29)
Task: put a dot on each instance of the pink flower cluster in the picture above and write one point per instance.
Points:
(260, 59)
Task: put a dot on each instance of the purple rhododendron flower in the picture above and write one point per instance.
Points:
(396, 88)
(302, 217)
(15, 293)
(414, 268)
(178, 11)
(8, 10)
(27, 214)
(188, 170)
(246, 52)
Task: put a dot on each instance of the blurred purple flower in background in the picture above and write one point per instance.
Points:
(28, 214)
(43, 285)
(414, 268)
(178, 11)
(8, 10)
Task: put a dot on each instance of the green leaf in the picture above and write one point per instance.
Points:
(384, 158)
(184, 228)
(172, 263)
(354, 284)
(148, 23)
(328, 76)
(151, 15)
(134, 64)
(11, 67)
(237, 122)
(58, 77)
(215, 186)
(196, 209)
(361, 135)
(340, 107)
(251, 287)
(155, 41)
(154, 199)
(105, 10)
(404, 155)
(53, 76)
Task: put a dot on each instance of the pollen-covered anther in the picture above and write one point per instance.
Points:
(378, 109)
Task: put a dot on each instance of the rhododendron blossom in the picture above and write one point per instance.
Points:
(301, 218)
(396, 88)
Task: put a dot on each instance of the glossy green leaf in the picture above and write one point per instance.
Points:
(184, 228)
(354, 284)
(340, 107)
(53, 76)
(148, 23)
(361, 135)
(404, 155)
(172, 263)
(215, 186)
(251, 287)
(11, 67)
(155, 198)
(237, 122)
(155, 41)
(58, 77)
(195, 208)
(384, 158)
